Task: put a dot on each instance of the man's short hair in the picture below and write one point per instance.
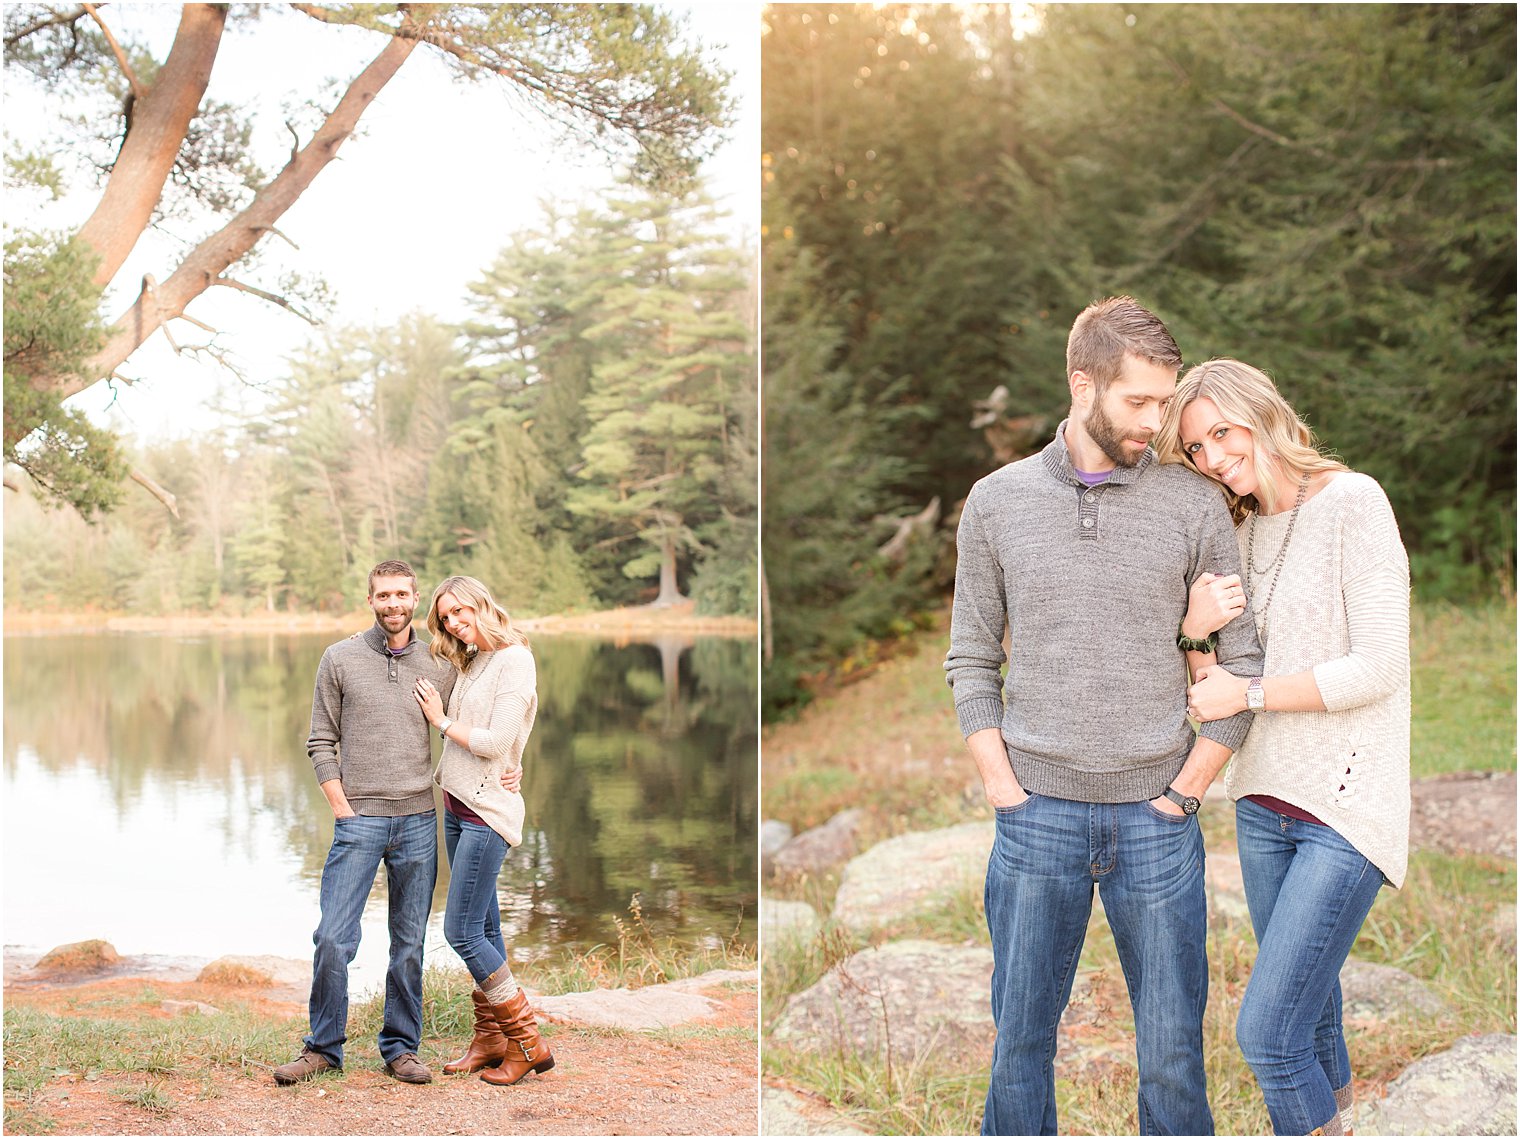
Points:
(1108, 329)
(391, 568)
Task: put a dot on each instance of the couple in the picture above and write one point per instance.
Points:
(376, 695)
(1109, 561)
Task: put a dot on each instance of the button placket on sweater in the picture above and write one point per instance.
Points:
(1087, 512)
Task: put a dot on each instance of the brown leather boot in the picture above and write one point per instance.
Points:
(488, 1047)
(527, 1051)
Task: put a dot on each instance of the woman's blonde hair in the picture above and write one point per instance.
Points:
(1246, 397)
(491, 620)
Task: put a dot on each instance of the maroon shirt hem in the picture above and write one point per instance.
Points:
(459, 810)
(1283, 808)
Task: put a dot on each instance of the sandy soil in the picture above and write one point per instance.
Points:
(684, 1082)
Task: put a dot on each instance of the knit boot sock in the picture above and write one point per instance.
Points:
(500, 987)
(1343, 1105)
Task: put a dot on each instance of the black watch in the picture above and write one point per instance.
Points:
(1188, 804)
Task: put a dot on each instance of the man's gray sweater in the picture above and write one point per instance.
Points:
(367, 728)
(1091, 584)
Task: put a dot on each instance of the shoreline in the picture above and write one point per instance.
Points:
(677, 620)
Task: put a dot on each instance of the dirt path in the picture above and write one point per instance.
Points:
(701, 1079)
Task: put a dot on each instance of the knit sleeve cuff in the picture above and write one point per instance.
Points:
(1231, 732)
(327, 770)
(979, 713)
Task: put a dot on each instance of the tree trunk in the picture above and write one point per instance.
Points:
(207, 261)
(160, 118)
(670, 592)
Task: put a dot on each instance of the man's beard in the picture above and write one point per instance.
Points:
(1102, 431)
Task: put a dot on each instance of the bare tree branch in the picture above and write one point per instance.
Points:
(170, 502)
(272, 298)
(121, 56)
(205, 264)
(50, 21)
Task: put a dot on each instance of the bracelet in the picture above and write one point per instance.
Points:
(443, 729)
(1188, 645)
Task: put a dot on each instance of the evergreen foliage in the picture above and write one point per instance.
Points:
(1325, 191)
(608, 351)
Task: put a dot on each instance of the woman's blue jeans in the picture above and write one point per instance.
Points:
(1047, 856)
(472, 917)
(1309, 892)
(408, 845)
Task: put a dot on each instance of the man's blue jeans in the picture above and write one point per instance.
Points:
(1309, 892)
(472, 918)
(1047, 856)
(408, 845)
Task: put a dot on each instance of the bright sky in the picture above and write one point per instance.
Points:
(417, 204)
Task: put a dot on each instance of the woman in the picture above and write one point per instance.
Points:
(1321, 783)
(485, 728)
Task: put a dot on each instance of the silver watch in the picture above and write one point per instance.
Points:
(1256, 698)
(443, 729)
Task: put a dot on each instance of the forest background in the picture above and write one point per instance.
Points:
(585, 437)
(1325, 191)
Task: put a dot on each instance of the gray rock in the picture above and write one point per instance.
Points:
(786, 921)
(653, 1006)
(1464, 812)
(786, 1113)
(259, 970)
(1467, 1090)
(187, 1008)
(1373, 994)
(923, 999)
(1226, 889)
(819, 850)
(909, 874)
(713, 978)
(774, 834)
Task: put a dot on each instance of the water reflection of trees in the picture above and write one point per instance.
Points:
(640, 778)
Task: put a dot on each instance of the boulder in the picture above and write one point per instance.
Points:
(1467, 1090)
(258, 971)
(796, 922)
(785, 1112)
(774, 834)
(93, 956)
(819, 850)
(910, 874)
(921, 998)
(653, 1006)
(1226, 889)
(1464, 812)
(1373, 994)
(189, 1008)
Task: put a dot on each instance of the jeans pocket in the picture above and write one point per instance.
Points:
(1166, 816)
(1007, 812)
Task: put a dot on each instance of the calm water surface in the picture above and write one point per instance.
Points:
(158, 795)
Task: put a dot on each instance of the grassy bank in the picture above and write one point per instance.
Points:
(130, 1041)
(889, 744)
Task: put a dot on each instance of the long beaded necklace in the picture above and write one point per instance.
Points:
(1274, 567)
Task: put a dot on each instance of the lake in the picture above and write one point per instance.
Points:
(158, 795)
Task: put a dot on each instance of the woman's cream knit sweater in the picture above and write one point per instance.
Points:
(1340, 608)
(498, 698)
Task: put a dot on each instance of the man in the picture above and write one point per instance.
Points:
(370, 748)
(1084, 554)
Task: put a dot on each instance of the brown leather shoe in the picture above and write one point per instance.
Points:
(303, 1067)
(527, 1051)
(489, 1046)
(409, 1070)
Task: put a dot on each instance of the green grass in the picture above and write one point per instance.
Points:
(1463, 663)
(1451, 926)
